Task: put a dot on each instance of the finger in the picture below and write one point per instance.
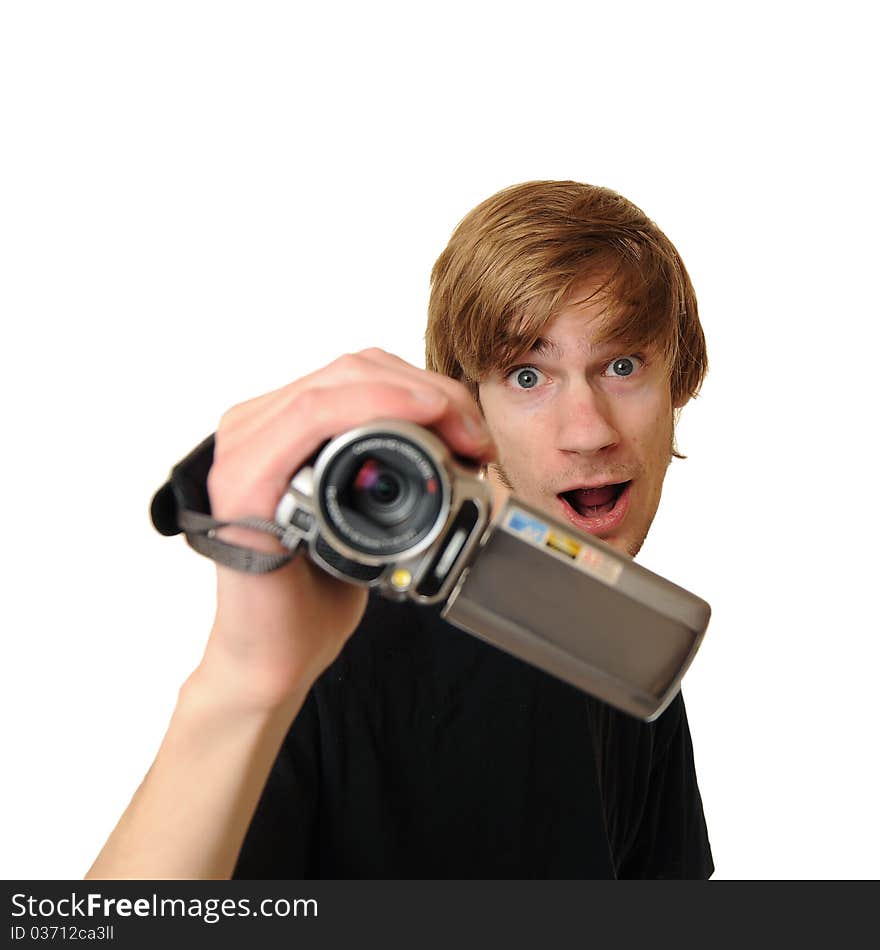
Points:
(240, 420)
(243, 415)
(249, 478)
(456, 390)
(460, 425)
(463, 420)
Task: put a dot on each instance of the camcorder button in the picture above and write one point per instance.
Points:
(303, 520)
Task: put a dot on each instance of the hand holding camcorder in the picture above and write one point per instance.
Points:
(274, 633)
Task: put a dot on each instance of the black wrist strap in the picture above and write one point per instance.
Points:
(182, 505)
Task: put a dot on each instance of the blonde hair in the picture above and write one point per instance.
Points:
(514, 259)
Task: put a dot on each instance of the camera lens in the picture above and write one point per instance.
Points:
(380, 484)
(386, 489)
(382, 494)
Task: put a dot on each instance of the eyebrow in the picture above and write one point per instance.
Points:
(545, 346)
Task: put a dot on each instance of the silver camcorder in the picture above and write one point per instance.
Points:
(387, 505)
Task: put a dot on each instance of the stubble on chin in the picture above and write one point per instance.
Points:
(633, 547)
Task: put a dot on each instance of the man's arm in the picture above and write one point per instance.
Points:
(190, 814)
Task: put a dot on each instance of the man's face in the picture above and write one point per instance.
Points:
(569, 418)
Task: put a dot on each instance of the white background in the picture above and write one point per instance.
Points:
(201, 202)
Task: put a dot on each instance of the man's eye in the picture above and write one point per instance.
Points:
(524, 377)
(622, 367)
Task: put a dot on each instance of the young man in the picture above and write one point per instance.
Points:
(326, 733)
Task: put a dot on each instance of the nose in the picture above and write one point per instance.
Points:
(585, 422)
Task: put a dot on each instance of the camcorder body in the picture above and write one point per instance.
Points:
(387, 505)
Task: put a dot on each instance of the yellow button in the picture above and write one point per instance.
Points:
(401, 578)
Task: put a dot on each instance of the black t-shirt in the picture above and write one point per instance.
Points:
(423, 752)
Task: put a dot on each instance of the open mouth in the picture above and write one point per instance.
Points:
(594, 502)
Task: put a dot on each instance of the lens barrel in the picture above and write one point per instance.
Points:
(381, 494)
